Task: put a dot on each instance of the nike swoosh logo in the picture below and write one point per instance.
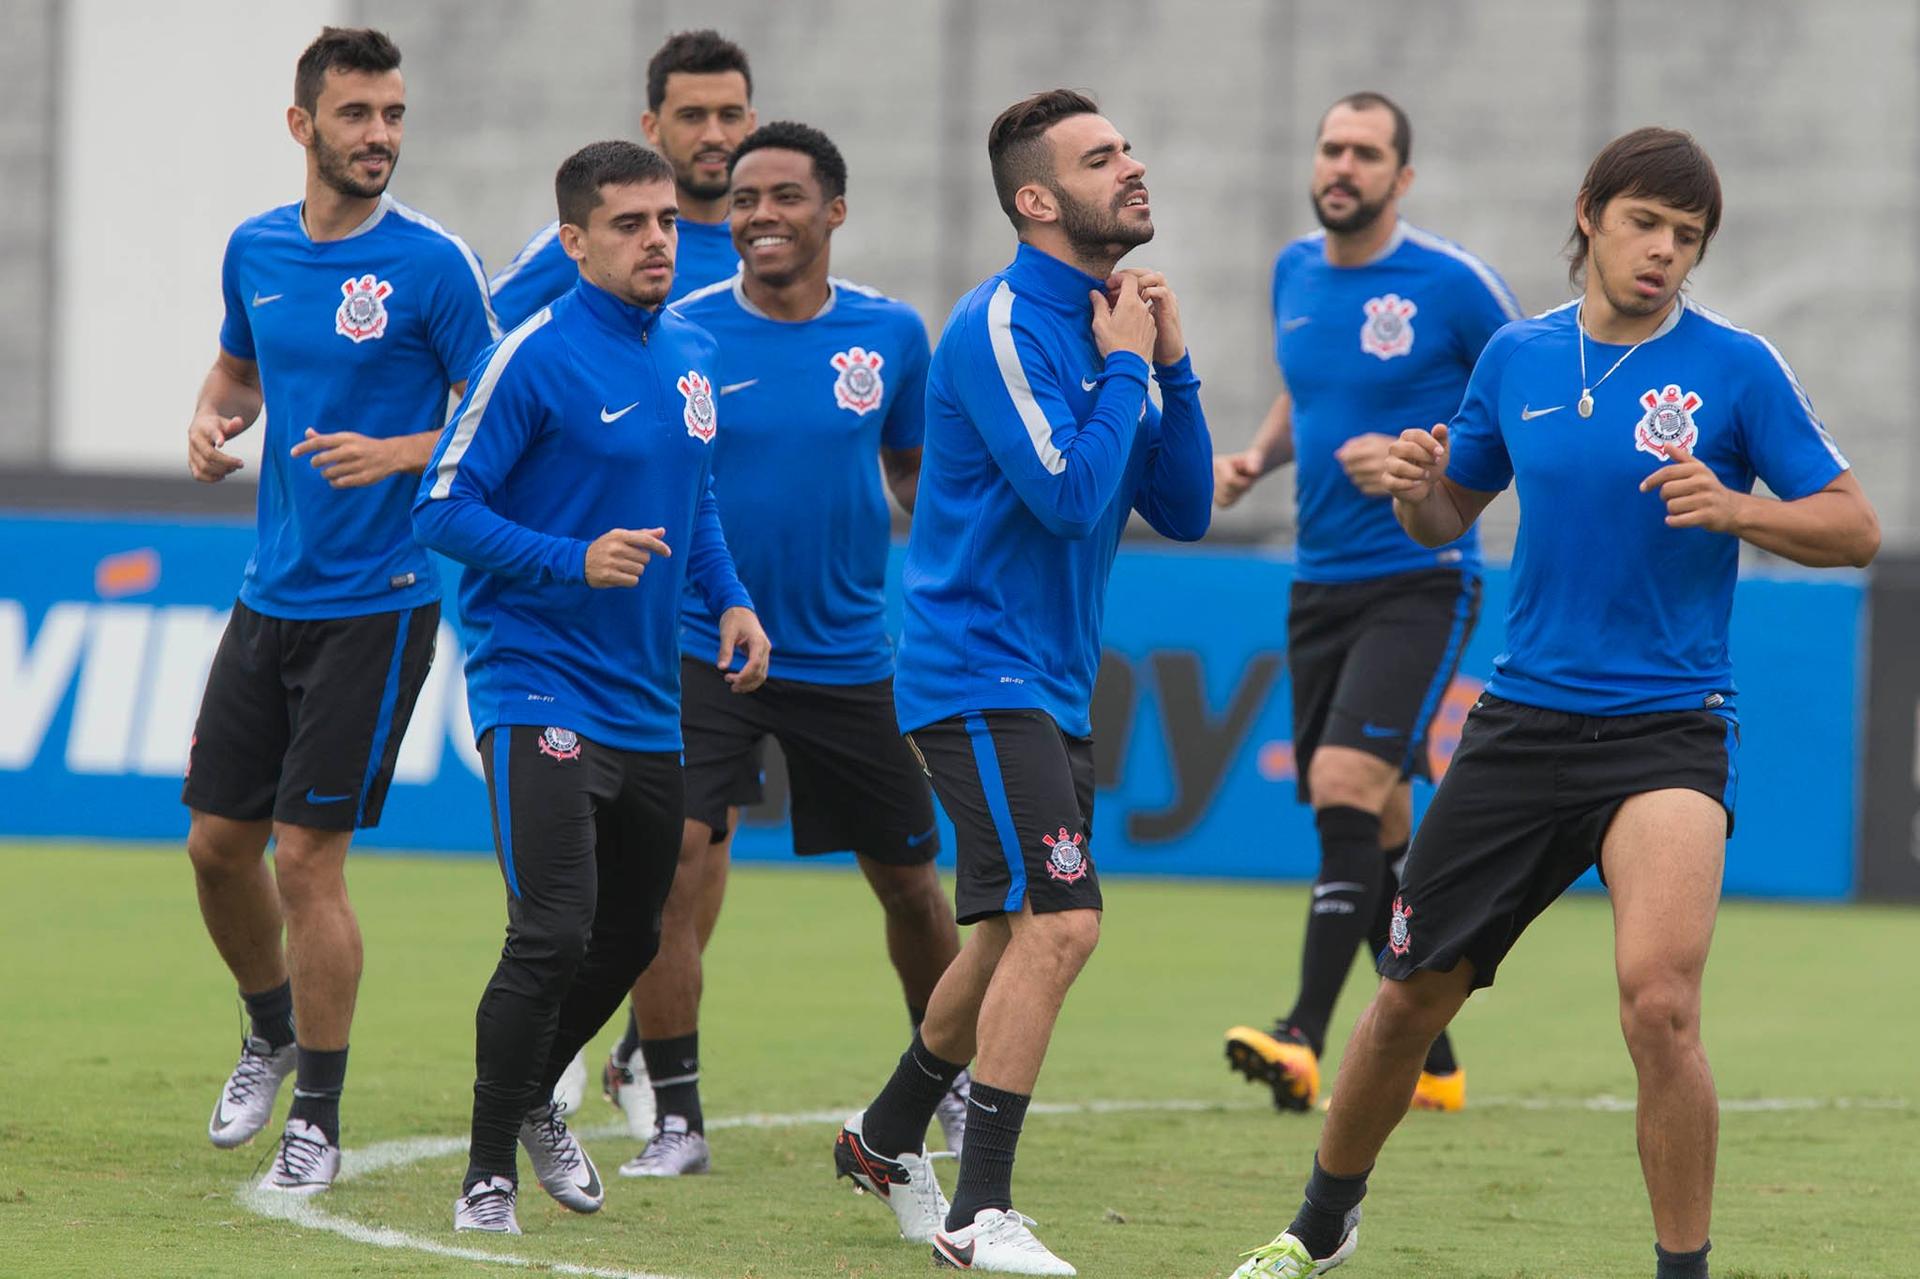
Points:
(1527, 414)
(315, 797)
(592, 1184)
(960, 1254)
(1377, 730)
(1337, 886)
(262, 301)
(914, 841)
(615, 417)
(1288, 326)
(1089, 384)
(991, 1110)
(731, 387)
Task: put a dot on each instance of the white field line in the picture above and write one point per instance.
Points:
(385, 1155)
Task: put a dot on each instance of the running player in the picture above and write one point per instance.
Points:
(349, 316)
(573, 483)
(699, 107)
(1633, 422)
(819, 377)
(1041, 441)
(1377, 324)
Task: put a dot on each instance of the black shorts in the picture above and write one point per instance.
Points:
(855, 784)
(1372, 660)
(1522, 813)
(1020, 793)
(302, 720)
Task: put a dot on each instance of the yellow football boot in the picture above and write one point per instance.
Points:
(1441, 1092)
(1279, 1058)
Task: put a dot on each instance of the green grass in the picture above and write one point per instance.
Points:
(117, 1023)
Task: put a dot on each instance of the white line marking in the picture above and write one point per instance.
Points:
(385, 1155)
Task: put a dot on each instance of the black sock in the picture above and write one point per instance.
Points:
(629, 1042)
(674, 1065)
(318, 1078)
(1681, 1265)
(994, 1117)
(897, 1119)
(1345, 897)
(1321, 1222)
(271, 1012)
(1440, 1057)
(916, 1015)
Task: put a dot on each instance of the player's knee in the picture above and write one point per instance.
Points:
(1416, 1009)
(218, 847)
(310, 874)
(1659, 1012)
(910, 893)
(1346, 778)
(1069, 936)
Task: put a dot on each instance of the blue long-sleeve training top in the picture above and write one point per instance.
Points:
(1036, 451)
(590, 416)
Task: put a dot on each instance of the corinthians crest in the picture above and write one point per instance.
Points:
(1066, 861)
(561, 743)
(1400, 931)
(699, 414)
(363, 311)
(1388, 330)
(1668, 421)
(859, 386)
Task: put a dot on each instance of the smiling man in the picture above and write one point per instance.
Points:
(574, 484)
(1041, 442)
(1633, 423)
(349, 316)
(818, 377)
(699, 109)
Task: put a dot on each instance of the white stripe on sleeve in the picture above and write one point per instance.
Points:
(1806, 405)
(528, 252)
(473, 263)
(463, 430)
(1000, 331)
(1503, 298)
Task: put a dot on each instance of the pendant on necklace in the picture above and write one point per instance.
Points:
(1585, 407)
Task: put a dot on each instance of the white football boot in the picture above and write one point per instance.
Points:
(306, 1163)
(571, 1088)
(952, 1113)
(246, 1100)
(488, 1207)
(672, 1152)
(624, 1082)
(559, 1161)
(904, 1182)
(998, 1242)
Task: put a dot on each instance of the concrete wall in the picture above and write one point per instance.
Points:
(27, 100)
(1812, 112)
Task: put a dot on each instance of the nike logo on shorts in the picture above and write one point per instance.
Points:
(1337, 886)
(1380, 730)
(914, 841)
(315, 797)
(1528, 414)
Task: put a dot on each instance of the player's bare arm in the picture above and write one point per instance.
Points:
(1432, 508)
(1234, 474)
(230, 400)
(619, 556)
(1833, 528)
(740, 631)
(902, 469)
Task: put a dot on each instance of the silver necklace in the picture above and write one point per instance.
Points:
(1585, 406)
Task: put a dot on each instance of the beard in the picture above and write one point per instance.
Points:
(1091, 228)
(336, 168)
(687, 177)
(1363, 215)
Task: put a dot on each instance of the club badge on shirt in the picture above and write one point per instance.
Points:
(1668, 421)
(363, 310)
(699, 414)
(1388, 328)
(859, 386)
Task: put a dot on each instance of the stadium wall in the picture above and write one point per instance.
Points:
(107, 626)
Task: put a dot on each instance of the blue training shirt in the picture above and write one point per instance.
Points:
(1375, 348)
(365, 333)
(809, 405)
(542, 271)
(593, 415)
(1613, 612)
(1036, 451)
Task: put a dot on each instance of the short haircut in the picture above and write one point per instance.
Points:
(829, 166)
(1368, 100)
(1653, 164)
(1016, 142)
(340, 49)
(703, 52)
(576, 187)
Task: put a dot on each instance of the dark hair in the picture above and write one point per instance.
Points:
(829, 166)
(1367, 100)
(343, 49)
(1016, 145)
(576, 187)
(703, 52)
(1655, 164)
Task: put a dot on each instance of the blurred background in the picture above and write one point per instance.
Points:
(134, 136)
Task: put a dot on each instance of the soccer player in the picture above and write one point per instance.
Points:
(1377, 325)
(1633, 422)
(819, 377)
(699, 108)
(1041, 440)
(349, 317)
(573, 482)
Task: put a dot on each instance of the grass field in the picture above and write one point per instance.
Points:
(117, 1024)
